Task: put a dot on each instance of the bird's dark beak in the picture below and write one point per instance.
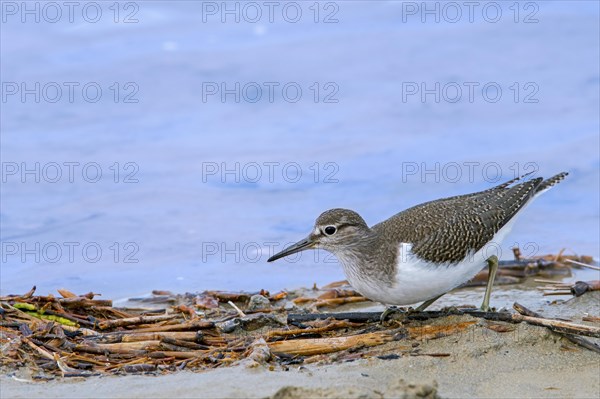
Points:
(307, 243)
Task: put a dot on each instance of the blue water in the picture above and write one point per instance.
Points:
(195, 191)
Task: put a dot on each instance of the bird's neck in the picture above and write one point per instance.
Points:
(368, 259)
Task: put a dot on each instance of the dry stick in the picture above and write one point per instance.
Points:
(135, 336)
(366, 317)
(333, 326)
(84, 331)
(541, 280)
(83, 302)
(582, 264)
(114, 311)
(238, 310)
(557, 293)
(185, 344)
(558, 326)
(576, 340)
(27, 295)
(132, 362)
(127, 347)
(316, 346)
(190, 336)
(38, 349)
(130, 321)
(177, 355)
(87, 359)
(193, 325)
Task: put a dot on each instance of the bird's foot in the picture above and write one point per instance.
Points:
(390, 310)
(450, 309)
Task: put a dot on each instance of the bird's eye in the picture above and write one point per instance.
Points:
(330, 230)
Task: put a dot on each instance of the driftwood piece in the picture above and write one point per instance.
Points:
(27, 295)
(82, 302)
(191, 336)
(191, 325)
(230, 296)
(128, 347)
(340, 301)
(299, 331)
(130, 321)
(316, 346)
(177, 354)
(582, 264)
(183, 343)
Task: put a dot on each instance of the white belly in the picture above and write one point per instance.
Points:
(418, 280)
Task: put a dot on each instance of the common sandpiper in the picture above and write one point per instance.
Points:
(422, 253)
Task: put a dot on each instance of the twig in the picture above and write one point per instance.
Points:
(558, 326)
(541, 280)
(582, 264)
(192, 325)
(332, 326)
(130, 321)
(591, 318)
(238, 310)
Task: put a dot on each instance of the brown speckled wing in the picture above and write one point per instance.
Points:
(447, 230)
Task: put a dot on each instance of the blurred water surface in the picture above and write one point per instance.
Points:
(196, 192)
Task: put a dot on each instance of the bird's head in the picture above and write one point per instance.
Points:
(334, 230)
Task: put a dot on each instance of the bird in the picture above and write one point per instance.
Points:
(423, 252)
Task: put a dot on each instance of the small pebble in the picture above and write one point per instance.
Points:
(258, 302)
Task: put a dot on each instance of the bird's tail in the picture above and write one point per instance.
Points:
(546, 184)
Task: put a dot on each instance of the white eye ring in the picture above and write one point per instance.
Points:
(330, 230)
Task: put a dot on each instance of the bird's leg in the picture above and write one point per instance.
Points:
(426, 304)
(492, 262)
